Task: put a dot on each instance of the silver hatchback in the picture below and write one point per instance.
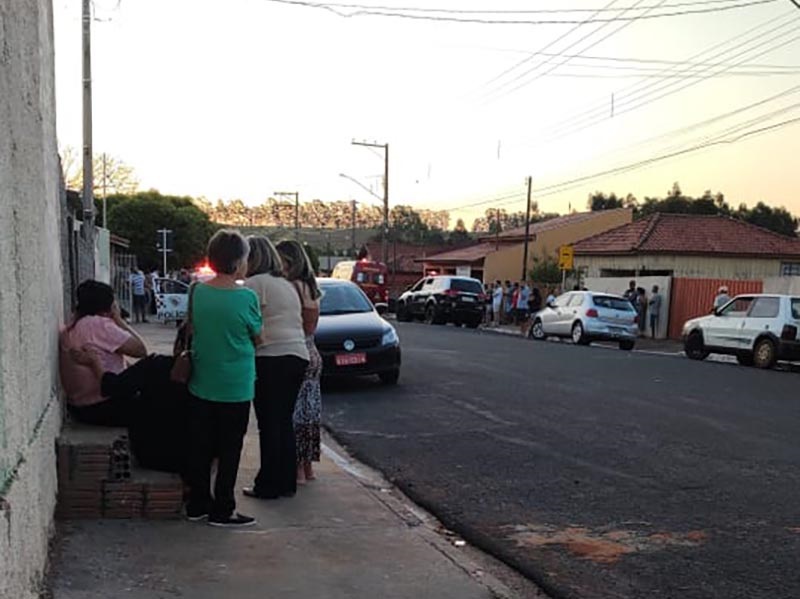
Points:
(585, 316)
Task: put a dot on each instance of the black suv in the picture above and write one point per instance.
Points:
(443, 299)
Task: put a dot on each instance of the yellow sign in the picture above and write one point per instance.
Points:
(566, 257)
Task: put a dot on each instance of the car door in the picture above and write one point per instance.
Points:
(724, 330)
(560, 316)
(421, 296)
(762, 317)
(172, 300)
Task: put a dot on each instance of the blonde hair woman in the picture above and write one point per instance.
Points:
(281, 361)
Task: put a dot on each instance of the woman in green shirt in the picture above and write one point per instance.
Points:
(226, 326)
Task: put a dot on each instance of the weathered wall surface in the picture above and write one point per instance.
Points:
(31, 301)
(693, 267)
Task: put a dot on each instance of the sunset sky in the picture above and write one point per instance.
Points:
(242, 98)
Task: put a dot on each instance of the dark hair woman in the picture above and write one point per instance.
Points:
(281, 361)
(226, 326)
(308, 410)
(97, 327)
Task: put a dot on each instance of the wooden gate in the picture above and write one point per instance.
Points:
(691, 298)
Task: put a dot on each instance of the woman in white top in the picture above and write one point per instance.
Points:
(308, 410)
(281, 362)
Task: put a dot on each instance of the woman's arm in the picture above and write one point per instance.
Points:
(134, 346)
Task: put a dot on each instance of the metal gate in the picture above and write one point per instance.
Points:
(695, 297)
(121, 265)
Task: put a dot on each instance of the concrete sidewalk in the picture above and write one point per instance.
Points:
(347, 534)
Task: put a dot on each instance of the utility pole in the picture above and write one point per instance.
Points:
(88, 183)
(105, 178)
(164, 249)
(353, 230)
(497, 230)
(527, 234)
(385, 148)
(296, 194)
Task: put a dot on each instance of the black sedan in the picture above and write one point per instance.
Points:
(352, 337)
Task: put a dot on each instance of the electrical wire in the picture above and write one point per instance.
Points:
(393, 13)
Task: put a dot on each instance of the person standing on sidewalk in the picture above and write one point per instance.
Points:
(655, 310)
(139, 291)
(225, 327)
(308, 409)
(281, 361)
(497, 303)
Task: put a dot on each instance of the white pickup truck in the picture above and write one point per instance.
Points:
(759, 329)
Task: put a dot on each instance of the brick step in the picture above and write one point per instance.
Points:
(97, 478)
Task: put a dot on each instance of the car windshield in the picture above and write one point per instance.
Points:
(615, 303)
(343, 299)
(468, 286)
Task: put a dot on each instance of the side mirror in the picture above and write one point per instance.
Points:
(382, 308)
(551, 305)
(716, 312)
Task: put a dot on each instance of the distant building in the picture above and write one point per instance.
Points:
(500, 256)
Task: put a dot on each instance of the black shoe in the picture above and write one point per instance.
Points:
(194, 515)
(235, 520)
(251, 492)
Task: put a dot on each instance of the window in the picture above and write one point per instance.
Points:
(796, 308)
(737, 307)
(466, 285)
(563, 300)
(765, 307)
(418, 285)
(360, 277)
(575, 300)
(790, 269)
(615, 303)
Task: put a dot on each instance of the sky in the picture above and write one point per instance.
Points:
(242, 98)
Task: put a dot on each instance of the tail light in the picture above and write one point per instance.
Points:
(789, 332)
(636, 319)
(386, 295)
(482, 297)
(591, 313)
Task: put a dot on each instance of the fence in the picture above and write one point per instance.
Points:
(695, 297)
(121, 265)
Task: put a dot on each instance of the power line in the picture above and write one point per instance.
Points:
(393, 13)
(589, 47)
(578, 122)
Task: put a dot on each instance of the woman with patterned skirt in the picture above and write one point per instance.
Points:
(308, 409)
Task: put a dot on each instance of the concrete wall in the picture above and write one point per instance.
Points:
(783, 285)
(685, 266)
(618, 286)
(31, 301)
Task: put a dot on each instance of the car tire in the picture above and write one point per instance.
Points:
(627, 345)
(765, 354)
(390, 377)
(694, 348)
(431, 317)
(745, 359)
(402, 313)
(537, 331)
(579, 335)
(474, 323)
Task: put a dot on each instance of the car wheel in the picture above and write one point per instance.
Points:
(579, 335)
(391, 377)
(474, 323)
(627, 345)
(745, 359)
(537, 331)
(431, 316)
(764, 354)
(694, 347)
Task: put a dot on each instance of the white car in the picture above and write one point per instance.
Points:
(758, 329)
(585, 316)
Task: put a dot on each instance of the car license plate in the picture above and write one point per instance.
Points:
(350, 359)
(468, 299)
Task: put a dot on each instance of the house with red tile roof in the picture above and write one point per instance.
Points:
(500, 256)
(692, 246)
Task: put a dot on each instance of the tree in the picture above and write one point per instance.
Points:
(600, 201)
(460, 234)
(138, 217)
(779, 220)
(545, 270)
(116, 177)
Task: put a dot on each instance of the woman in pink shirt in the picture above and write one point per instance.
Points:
(97, 327)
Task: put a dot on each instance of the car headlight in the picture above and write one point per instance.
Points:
(390, 337)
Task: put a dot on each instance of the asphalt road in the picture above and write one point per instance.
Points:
(595, 472)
